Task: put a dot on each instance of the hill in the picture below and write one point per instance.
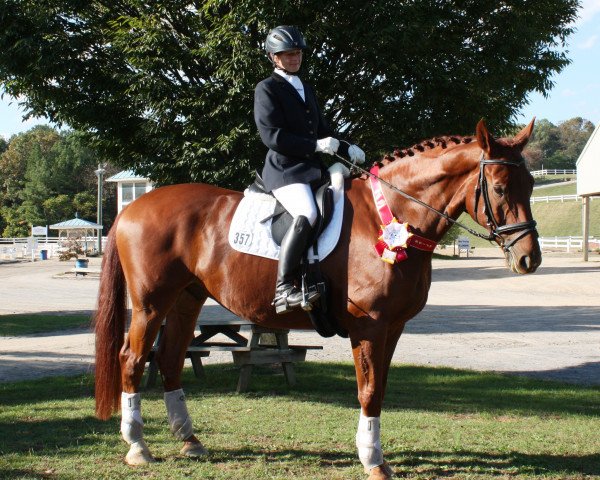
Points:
(554, 219)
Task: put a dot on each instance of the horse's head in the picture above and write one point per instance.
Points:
(502, 199)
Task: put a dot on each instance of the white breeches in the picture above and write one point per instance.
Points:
(131, 418)
(368, 442)
(297, 198)
(179, 418)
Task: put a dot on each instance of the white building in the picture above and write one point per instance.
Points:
(129, 187)
(588, 181)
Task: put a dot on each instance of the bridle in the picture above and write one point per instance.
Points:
(481, 189)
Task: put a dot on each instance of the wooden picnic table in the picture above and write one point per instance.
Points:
(249, 344)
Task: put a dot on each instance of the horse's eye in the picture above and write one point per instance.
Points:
(499, 190)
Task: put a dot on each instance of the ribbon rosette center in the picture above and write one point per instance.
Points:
(395, 234)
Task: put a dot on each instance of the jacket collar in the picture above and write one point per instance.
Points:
(285, 84)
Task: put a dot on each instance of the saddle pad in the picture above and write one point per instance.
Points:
(248, 235)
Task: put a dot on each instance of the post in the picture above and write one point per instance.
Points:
(99, 174)
(585, 220)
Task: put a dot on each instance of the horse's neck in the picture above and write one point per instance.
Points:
(441, 182)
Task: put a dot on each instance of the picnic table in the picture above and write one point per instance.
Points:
(249, 344)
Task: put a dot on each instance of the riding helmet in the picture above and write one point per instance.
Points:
(283, 39)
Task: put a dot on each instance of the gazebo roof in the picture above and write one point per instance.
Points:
(125, 175)
(76, 224)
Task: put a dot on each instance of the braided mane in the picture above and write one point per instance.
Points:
(446, 141)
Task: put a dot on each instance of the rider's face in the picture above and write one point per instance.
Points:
(289, 61)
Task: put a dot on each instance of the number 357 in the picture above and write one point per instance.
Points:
(241, 238)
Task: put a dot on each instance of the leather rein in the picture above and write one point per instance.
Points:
(481, 190)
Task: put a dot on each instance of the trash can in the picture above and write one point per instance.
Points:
(81, 263)
(43, 254)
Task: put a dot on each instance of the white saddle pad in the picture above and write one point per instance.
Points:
(248, 235)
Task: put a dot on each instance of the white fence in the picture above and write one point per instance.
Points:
(23, 248)
(543, 173)
(557, 198)
(567, 243)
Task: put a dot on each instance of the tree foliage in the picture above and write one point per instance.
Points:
(46, 177)
(166, 87)
(558, 146)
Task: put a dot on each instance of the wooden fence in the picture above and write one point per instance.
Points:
(568, 243)
(545, 172)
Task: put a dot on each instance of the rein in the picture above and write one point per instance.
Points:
(482, 188)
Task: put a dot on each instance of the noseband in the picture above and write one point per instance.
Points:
(496, 230)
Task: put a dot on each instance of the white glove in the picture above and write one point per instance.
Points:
(328, 145)
(356, 154)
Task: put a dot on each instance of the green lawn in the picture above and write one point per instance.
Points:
(560, 189)
(27, 324)
(437, 423)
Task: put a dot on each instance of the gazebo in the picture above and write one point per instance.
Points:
(77, 226)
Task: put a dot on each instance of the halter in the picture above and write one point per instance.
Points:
(496, 230)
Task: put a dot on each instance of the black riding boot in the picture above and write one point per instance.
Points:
(287, 296)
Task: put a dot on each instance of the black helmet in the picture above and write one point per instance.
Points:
(283, 39)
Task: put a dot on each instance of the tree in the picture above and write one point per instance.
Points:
(45, 177)
(166, 87)
(558, 146)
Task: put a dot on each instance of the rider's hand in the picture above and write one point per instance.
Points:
(356, 154)
(328, 145)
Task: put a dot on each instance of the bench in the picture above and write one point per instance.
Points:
(261, 346)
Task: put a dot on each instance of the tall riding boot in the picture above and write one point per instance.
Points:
(287, 296)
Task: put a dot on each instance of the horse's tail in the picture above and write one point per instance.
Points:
(110, 322)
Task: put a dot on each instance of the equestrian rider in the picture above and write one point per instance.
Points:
(292, 126)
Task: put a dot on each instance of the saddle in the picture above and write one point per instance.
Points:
(281, 219)
(311, 275)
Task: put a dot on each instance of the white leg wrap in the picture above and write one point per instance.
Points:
(131, 418)
(179, 418)
(368, 442)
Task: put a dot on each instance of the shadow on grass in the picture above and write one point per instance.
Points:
(409, 388)
(450, 464)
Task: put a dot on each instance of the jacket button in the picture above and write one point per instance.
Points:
(310, 122)
(307, 110)
(311, 132)
(307, 155)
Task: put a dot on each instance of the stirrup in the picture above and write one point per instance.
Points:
(282, 305)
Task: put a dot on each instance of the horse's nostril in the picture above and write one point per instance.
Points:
(525, 262)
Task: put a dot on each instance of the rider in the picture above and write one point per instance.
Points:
(292, 126)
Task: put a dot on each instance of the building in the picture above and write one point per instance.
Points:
(588, 181)
(129, 187)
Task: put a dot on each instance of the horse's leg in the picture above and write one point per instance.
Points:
(368, 349)
(177, 335)
(147, 316)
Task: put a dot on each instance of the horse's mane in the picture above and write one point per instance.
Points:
(446, 141)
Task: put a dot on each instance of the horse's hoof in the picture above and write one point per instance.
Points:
(139, 454)
(193, 449)
(382, 472)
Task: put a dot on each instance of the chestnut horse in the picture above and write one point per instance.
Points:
(169, 250)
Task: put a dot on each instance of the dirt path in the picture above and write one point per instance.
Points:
(479, 316)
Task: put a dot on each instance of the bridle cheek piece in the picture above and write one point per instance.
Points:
(496, 230)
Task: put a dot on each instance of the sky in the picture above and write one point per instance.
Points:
(576, 91)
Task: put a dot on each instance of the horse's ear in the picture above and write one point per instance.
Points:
(484, 137)
(523, 136)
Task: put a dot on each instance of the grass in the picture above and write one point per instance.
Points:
(27, 324)
(568, 189)
(437, 422)
(554, 179)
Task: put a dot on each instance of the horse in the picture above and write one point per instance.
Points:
(169, 251)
